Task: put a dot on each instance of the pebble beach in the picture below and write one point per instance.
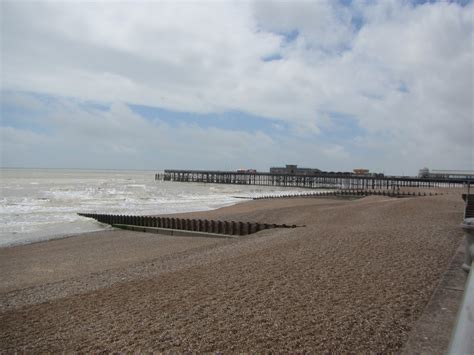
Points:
(354, 277)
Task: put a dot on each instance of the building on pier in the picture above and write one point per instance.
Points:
(250, 171)
(424, 173)
(446, 174)
(293, 170)
(361, 171)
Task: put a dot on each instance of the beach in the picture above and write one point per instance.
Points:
(354, 276)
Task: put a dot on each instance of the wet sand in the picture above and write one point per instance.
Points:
(356, 278)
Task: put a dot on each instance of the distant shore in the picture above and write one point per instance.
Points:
(355, 278)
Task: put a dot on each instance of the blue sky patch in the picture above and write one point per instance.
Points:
(229, 120)
(23, 117)
(423, 2)
(272, 57)
(403, 88)
(290, 36)
(342, 127)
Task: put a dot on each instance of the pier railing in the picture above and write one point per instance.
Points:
(194, 225)
(319, 180)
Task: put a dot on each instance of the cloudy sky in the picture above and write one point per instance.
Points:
(385, 85)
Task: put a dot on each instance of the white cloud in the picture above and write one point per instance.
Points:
(336, 151)
(322, 25)
(405, 75)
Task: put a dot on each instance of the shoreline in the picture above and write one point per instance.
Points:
(51, 238)
(106, 227)
(370, 263)
(46, 238)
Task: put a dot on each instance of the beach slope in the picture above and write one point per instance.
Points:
(356, 277)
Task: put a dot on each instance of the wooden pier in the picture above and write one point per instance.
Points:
(320, 180)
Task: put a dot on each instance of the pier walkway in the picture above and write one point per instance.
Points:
(320, 180)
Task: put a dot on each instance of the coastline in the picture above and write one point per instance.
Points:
(38, 205)
(51, 237)
(105, 227)
(199, 212)
(370, 264)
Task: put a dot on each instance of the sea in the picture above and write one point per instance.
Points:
(41, 204)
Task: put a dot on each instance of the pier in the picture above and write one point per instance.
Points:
(313, 181)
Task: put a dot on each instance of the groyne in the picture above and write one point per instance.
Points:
(351, 193)
(183, 224)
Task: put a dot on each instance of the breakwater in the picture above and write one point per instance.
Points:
(319, 180)
(351, 193)
(184, 224)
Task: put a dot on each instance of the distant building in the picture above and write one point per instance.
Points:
(423, 173)
(361, 171)
(293, 170)
(447, 174)
(247, 171)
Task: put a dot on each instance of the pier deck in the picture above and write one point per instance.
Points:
(321, 180)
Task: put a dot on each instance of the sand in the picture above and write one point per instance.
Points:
(355, 278)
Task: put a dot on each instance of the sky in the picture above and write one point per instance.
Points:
(335, 85)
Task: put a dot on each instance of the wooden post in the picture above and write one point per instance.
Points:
(239, 228)
(252, 227)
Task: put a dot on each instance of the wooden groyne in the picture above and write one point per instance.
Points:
(351, 193)
(320, 180)
(194, 225)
